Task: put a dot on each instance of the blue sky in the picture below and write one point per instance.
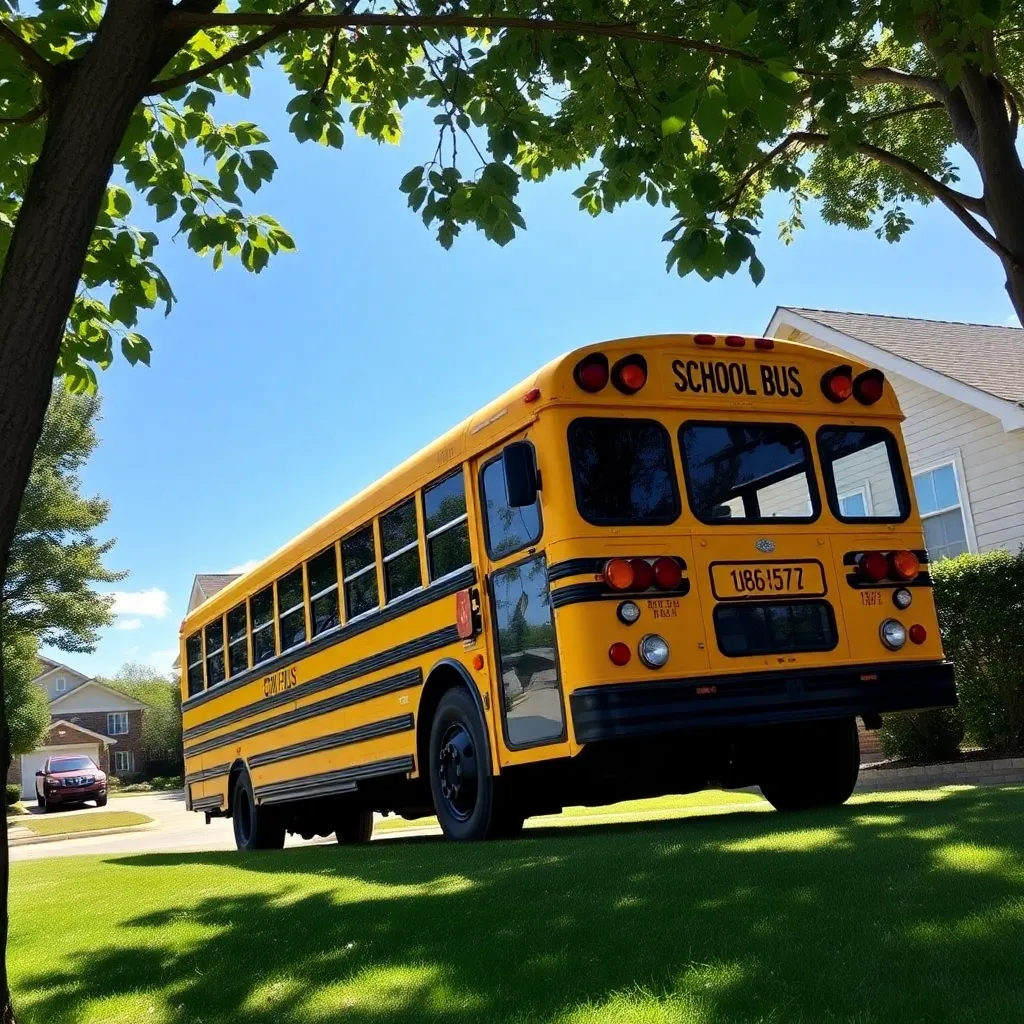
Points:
(273, 398)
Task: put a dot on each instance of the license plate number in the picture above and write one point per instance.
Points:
(734, 580)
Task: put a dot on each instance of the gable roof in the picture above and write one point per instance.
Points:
(977, 364)
(92, 683)
(79, 728)
(205, 585)
(981, 355)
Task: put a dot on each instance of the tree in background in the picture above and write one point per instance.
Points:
(55, 558)
(161, 720)
(25, 704)
(700, 106)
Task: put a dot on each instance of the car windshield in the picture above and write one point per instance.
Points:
(71, 764)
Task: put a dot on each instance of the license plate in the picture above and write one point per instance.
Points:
(735, 580)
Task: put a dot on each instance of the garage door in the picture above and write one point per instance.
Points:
(31, 763)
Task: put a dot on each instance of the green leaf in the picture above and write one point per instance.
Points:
(119, 203)
(756, 270)
(671, 126)
(410, 182)
(136, 348)
(710, 115)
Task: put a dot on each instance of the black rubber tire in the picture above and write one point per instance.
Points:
(816, 765)
(101, 801)
(479, 812)
(255, 827)
(354, 827)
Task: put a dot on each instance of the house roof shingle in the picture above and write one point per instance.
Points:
(982, 356)
(210, 583)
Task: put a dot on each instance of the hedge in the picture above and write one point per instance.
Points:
(980, 599)
(12, 793)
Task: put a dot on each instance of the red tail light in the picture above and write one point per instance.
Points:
(868, 387)
(643, 574)
(873, 566)
(619, 653)
(837, 384)
(918, 634)
(629, 375)
(667, 574)
(618, 574)
(592, 373)
(905, 565)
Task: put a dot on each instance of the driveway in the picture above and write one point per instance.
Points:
(174, 830)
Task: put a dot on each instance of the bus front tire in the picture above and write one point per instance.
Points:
(354, 827)
(470, 802)
(256, 827)
(816, 767)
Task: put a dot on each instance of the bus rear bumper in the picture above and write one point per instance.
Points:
(764, 698)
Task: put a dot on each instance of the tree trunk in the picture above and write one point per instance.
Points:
(90, 106)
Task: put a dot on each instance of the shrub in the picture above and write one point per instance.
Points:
(12, 793)
(164, 782)
(113, 783)
(981, 612)
(136, 787)
(129, 778)
(923, 735)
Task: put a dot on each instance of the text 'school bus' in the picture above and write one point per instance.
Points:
(657, 564)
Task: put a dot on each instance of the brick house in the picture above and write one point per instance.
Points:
(86, 717)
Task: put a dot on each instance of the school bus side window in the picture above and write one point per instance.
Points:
(291, 609)
(399, 538)
(323, 591)
(447, 526)
(358, 563)
(215, 652)
(508, 529)
(238, 641)
(262, 608)
(194, 657)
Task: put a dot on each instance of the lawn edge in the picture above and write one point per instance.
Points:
(58, 836)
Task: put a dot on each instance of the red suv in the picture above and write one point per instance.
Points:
(70, 780)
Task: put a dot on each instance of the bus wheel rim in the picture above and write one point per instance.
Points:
(457, 771)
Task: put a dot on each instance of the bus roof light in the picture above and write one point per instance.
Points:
(643, 574)
(869, 387)
(837, 384)
(667, 574)
(735, 341)
(629, 375)
(704, 339)
(591, 373)
(618, 574)
(531, 396)
(764, 343)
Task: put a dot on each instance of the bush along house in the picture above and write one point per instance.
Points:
(86, 717)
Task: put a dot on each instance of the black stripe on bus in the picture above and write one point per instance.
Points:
(922, 579)
(578, 593)
(207, 803)
(592, 566)
(207, 773)
(402, 681)
(410, 649)
(435, 592)
(372, 731)
(329, 783)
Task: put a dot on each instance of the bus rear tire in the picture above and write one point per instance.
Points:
(256, 827)
(817, 768)
(354, 827)
(469, 801)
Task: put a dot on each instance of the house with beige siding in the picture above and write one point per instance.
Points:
(961, 387)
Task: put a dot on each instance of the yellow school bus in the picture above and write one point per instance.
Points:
(657, 564)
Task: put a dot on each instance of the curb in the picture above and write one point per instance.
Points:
(59, 836)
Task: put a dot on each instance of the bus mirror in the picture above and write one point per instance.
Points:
(721, 512)
(521, 482)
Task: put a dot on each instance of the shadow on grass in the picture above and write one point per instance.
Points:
(883, 911)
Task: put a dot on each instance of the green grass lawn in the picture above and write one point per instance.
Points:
(90, 821)
(898, 908)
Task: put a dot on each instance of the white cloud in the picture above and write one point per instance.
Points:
(149, 603)
(245, 566)
(163, 659)
(128, 624)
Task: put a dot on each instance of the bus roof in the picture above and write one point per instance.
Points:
(513, 410)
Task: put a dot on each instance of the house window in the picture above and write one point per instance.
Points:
(941, 508)
(60, 685)
(117, 723)
(855, 505)
(124, 761)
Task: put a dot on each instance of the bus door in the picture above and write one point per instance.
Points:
(763, 562)
(525, 657)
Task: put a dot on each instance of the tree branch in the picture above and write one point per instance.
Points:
(29, 116)
(914, 108)
(893, 76)
(732, 200)
(43, 69)
(955, 202)
(332, 51)
(236, 53)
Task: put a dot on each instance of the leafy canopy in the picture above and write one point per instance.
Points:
(161, 719)
(700, 107)
(55, 558)
(26, 709)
